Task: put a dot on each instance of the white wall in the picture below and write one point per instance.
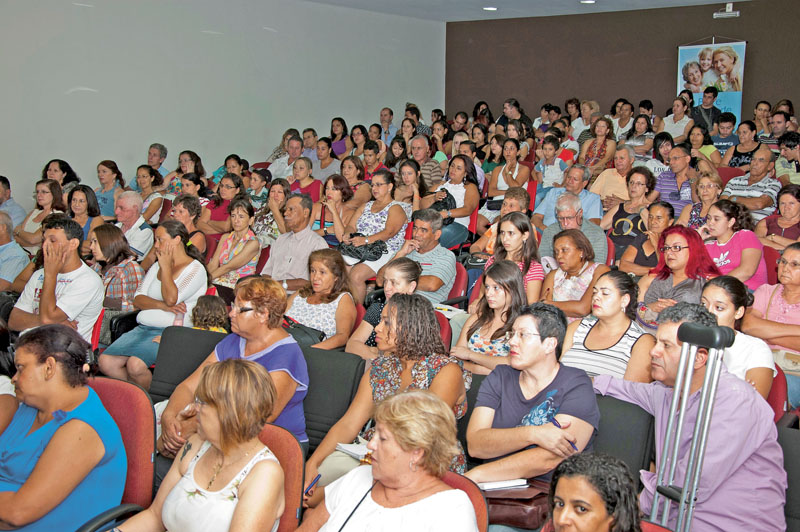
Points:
(226, 76)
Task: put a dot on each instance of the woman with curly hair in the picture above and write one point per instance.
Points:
(413, 357)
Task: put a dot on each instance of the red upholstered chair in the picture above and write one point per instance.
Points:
(473, 230)
(771, 257)
(262, 259)
(444, 328)
(459, 287)
(96, 332)
(532, 186)
(476, 290)
(611, 252)
(647, 526)
(259, 166)
(778, 397)
(456, 481)
(360, 311)
(211, 247)
(166, 209)
(287, 450)
(727, 173)
(410, 231)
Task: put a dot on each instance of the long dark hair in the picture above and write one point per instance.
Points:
(506, 274)
(113, 244)
(92, 207)
(55, 190)
(471, 175)
(736, 290)
(626, 285)
(744, 220)
(415, 325)
(530, 250)
(175, 228)
(391, 160)
(70, 175)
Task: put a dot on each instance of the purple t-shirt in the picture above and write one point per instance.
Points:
(570, 393)
(284, 355)
(667, 186)
(728, 256)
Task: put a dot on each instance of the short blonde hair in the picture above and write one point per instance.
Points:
(419, 419)
(242, 393)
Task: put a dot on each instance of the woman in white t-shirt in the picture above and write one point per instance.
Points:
(749, 358)
(678, 123)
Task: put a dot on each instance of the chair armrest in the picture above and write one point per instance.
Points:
(458, 302)
(122, 323)
(790, 420)
(100, 522)
(373, 296)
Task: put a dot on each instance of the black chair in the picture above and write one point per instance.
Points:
(626, 432)
(122, 323)
(333, 381)
(461, 424)
(181, 351)
(789, 439)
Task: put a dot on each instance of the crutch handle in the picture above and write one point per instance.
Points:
(709, 337)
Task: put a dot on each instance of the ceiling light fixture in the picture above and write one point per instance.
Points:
(489, 8)
(587, 1)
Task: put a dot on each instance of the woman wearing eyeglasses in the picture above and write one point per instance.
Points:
(215, 218)
(683, 268)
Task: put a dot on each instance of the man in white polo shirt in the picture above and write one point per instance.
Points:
(129, 218)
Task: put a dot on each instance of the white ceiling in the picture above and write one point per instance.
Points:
(461, 10)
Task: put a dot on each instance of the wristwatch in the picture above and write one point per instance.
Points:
(285, 285)
(366, 240)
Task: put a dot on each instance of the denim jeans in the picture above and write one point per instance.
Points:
(138, 342)
(453, 235)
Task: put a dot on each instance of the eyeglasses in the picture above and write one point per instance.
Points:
(241, 310)
(199, 402)
(562, 219)
(229, 187)
(675, 249)
(794, 265)
(523, 335)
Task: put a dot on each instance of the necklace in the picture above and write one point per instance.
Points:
(218, 467)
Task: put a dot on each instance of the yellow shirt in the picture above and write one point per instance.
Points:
(610, 183)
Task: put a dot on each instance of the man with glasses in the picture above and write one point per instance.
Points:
(532, 412)
(569, 215)
(576, 177)
(675, 185)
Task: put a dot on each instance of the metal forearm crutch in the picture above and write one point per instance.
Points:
(715, 339)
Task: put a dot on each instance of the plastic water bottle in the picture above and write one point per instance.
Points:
(178, 321)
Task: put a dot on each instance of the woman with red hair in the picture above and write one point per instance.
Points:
(683, 268)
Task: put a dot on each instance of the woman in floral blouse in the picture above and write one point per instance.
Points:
(237, 253)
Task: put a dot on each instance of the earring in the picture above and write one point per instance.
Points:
(412, 465)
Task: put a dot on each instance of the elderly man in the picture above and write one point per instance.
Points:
(7, 203)
(156, 155)
(288, 260)
(128, 210)
(64, 290)
(438, 263)
(787, 167)
(13, 258)
(576, 177)
(282, 167)
(756, 190)
(707, 114)
(429, 168)
(310, 139)
(569, 215)
(611, 184)
(742, 480)
(388, 129)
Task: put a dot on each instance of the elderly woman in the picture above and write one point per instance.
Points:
(257, 335)
(63, 460)
(237, 254)
(112, 184)
(782, 229)
(521, 406)
(400, 276)
(268, 223)
(166, 297)
(325, 303)
(749, 358)
(188, 163)
(739, 156)
(594, 492)
(61, 172)
(381, 219)
(413, 443)
(225, 478)
(683, 268)
(640, 137)
(570, 286)
(326, 164)
(413, 358)
(215, 218)
(461, 182)
(642, 254)
(733, 247)
(482, 343)
(627, 220)
(149, 179)
(775, 316)
(598, 153)
(49, 199)
(83, 208)
(116, 264)
(709, 187)
(336, 194)
(609, 341)
(679, 122)
(510, 174)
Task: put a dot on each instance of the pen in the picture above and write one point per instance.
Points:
(555, 422)
(313, 482)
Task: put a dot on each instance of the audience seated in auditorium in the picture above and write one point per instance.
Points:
(627, 220)
(786, 170)
(757, 190)
(282, 166)
(8, 205)
(64, 290)
(331, 212)
(612, 184)
(598, 153)
(733, 246)
(325, 303)
(49, 199)
(409, 185)
(413, 357)
(675, 184)
(237, 254)
(576, 178)
(461, 183)
(166, 297)
(516, 199)
(156, 155)
(410, 454)
(643, 253)
(139, 234)
(61, 172)
(782, 228)
(609, 341)
(288, 258)
(63, 460)
(148, 179)
(510, 174)
(215, 219)
(112, 184)
(739, 155)
(301, 180)
(13, 258)
(708, 188)
(225, 478)
(640, 137)
(82, 207)
(733, 457)
(679, 122)
(188, 163)
(438, 263)
(702, 148)
(518, 402)
(282, 148)
(430, 169)
(353, 171)
(310, 138)
(268, 222)
(258, 192)
(569, 214)
(325, 164)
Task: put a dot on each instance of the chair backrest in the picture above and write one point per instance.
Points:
(98, 325)
(472, 227)
(259, 166)
(360, 311)
(287, 450)
(727, 173)
(211, 247)
(778, 397)
(610, 257)
(409, 230)
(333, 381)
(461, 424)
(476, 290)
(771, 257)
(619, 417)
(166, 209)
(529, 164)
(262, 259)
(459, 287)
(647, 526)
(789, 440)
(181, 351)
(132, 410)
(532, 186)
(211, 290)
(444, 329)
(456, 481)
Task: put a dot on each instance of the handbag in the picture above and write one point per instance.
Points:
(520, 507)
(446, 204)
(302, 334)
(366, 253)
(494, 204)
(474, 261)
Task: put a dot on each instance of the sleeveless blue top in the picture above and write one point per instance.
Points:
(106, 200)
(100, 490)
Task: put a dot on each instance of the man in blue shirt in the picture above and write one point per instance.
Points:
(575, 180)
(13, 258)
(8, 205)
(388, 130)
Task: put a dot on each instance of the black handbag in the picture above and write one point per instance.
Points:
(474, 261)
(302, 334)
(520, 507)
(494, 204)
(366, 253)
(446, 204)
